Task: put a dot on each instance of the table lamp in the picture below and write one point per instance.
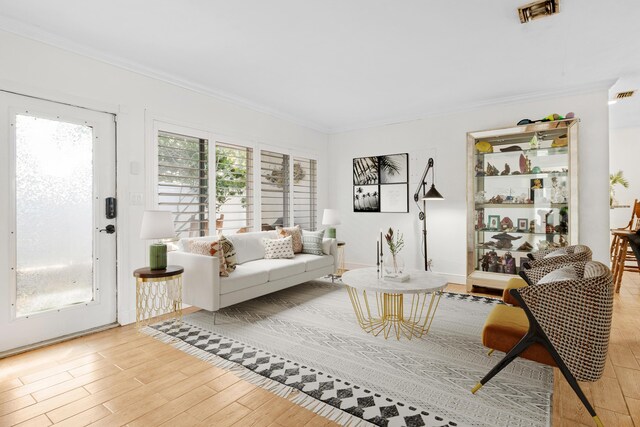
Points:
(331, 217)
(157, 225)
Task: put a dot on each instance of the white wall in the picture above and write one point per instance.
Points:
(37, 69)
(444, 138)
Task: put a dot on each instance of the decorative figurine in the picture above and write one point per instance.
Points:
(480, 197)
(479, 168)
(492, 170)
(525, 247)
(506, 224)
(532, 226)
(533, 142)
(485, 262)
(509, 263)
(506, 170)
(505, 240)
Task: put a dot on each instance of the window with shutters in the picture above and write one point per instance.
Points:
(274, 193)
(234, 188)
(304, 193)
(183, 182)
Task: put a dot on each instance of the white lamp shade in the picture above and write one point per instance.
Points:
(330, 217)
(157, 225)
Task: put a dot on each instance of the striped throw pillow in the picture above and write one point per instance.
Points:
(312, 242)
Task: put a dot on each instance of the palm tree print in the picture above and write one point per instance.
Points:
(366, 170)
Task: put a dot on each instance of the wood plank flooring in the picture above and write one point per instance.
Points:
(122, 377)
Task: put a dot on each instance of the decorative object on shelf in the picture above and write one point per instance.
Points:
(525, 247)
(331, 217)
(522, 224)
(532, 226)
(507, 170)
(479, 220)
(523, 162)
(511, 148)
(533, 142)
(509, 264)
(484, 147)
(479, 168)
(506, 224)
(479, 198)
(504, 240)
(537, 184)
(424, 195)
(561, 141)
(492, 170)
(395, 242)
(157, 225)
(493, 222)
(381, 183)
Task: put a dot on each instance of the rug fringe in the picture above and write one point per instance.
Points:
(292, 394)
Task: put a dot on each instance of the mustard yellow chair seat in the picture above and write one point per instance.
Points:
(505, 327)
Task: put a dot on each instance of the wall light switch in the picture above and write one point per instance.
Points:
(136, 199)
(134, 168)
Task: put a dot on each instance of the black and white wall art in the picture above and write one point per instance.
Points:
(381, 183)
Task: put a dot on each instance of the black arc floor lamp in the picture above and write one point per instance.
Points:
(424, 195)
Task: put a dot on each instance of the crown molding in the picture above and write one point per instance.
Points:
(34, 33)
(529, 96)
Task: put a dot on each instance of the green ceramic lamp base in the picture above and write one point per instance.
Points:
(331, 232)
(158, 256)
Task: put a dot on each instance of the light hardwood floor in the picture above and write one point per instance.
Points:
(121, 377)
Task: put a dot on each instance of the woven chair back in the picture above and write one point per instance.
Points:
(576, 317)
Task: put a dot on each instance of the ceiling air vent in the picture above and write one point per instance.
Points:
(538, 9)
(627, 94)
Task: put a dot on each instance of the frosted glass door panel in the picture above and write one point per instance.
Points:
(54, 214)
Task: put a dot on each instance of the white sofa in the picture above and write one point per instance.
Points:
(254, 276)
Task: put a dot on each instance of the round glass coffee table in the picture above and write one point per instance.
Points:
(389, 307)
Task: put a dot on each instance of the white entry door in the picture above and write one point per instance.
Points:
(57, 260)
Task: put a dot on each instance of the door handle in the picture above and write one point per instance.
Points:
(109, 229)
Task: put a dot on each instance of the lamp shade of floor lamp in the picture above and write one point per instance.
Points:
(331, 217)
(157, 225)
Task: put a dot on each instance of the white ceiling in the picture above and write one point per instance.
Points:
(343, 64)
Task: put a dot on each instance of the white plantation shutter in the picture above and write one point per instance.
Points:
(183, 182)
(305, 193)
(274, 195)
(234, 188)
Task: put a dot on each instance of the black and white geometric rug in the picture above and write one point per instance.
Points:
(304, 343)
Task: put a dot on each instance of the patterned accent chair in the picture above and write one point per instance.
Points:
(576, 253)
(564, 324)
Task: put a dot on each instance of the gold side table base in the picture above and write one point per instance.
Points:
(157, 299)
(387, 315)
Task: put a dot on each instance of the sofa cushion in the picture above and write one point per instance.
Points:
(314, 262)
(245, 276)
(206, 247)
(279, 268)
(249, 245)
(296, 236)
(278, 248)
(312, 242)
(229, 252)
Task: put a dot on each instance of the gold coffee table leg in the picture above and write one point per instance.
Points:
(391, 313)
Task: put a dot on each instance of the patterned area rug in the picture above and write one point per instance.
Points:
(304, 343)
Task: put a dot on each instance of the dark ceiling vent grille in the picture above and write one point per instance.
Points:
(627, 94)
(538, 9)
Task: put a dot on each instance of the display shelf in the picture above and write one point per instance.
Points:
(542, 193)
(521, 205)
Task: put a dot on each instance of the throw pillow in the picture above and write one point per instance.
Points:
(278, 248)
(564, 273)
(229, 253)
(212, 249)
(557, 252)
(296, 236)
(312, 242)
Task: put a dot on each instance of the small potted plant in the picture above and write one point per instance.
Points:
(395, 242)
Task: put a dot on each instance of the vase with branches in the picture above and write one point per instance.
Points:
(395, 243)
